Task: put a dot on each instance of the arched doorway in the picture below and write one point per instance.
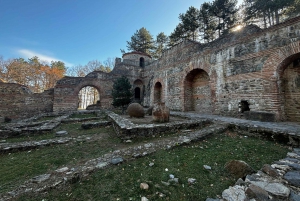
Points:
(157, 92)
(138, 92)
(88, 95)
(142, 62)
(289, 88)
(197, 92)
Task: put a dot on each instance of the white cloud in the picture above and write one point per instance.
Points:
(29, 54)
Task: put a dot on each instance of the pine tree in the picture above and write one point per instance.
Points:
(141, 41)
(121, 93)
(207, 23)
(160, 45)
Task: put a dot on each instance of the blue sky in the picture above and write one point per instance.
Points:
(78, 31)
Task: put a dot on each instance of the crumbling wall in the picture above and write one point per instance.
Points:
(67, 89)
(244, 66)
(17, 101)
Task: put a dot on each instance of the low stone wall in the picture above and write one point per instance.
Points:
(260, 116)
(124, 128)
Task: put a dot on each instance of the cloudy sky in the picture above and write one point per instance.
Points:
(78, 31)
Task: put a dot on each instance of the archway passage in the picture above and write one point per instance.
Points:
(87, 96)
(137, 93)
(157, 92)
(197, 92)
(290, 88)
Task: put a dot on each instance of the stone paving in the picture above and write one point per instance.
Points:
(282, 127)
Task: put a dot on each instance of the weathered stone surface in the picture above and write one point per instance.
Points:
(270, 171)
(235, 193)
(257, 193)
(89, 125)
(160, 113)
(293, 177)
(239, 169)
(40, 178)
(294, 196)
(144, 186)
(274, 188)
(149, 110)
(61, 133)
(117, 160)
(135, 110)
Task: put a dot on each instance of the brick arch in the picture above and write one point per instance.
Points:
(158, 91)
(89, 83)
(197, 91)
(67, 89)
(277, 70)
(278, 60)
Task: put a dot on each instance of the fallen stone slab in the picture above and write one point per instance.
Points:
(61, 133)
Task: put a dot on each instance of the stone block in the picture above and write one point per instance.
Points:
(260, 116)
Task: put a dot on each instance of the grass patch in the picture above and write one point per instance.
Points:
(83, 115)
(74, 130)
(47, 118)
(122, 182)
(20, 166)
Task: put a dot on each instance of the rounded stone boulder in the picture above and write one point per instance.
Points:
(160, 113)
(135, 110)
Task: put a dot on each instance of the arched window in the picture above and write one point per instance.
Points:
(137, 93)
(142, 62)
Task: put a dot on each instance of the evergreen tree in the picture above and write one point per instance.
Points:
(294, 9)
(160, 45)
(141, 41)
(187, 27)
(207, 23)
(190, 23)
(224, 11)
(121, 93)
(266, 12)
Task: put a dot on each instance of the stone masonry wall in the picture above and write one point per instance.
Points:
(17, 101)
(67, 89)
(242, 66)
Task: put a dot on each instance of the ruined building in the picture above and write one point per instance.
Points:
(251, 71)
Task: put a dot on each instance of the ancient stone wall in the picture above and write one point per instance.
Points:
(17, 101)
(249, 70)
(67, 89)
(246, 66)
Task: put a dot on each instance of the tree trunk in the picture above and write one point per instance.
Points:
(265, 20)
(277, 16)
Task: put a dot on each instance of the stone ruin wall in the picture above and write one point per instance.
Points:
(257, 66)
(243, 67)
(67, 89)
(17, 101)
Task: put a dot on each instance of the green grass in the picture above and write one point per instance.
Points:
(122, 182)
(74, 130)
(80, 115)
(19, 166)
(47, 118)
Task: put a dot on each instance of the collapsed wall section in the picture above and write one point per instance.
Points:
(17, 101)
